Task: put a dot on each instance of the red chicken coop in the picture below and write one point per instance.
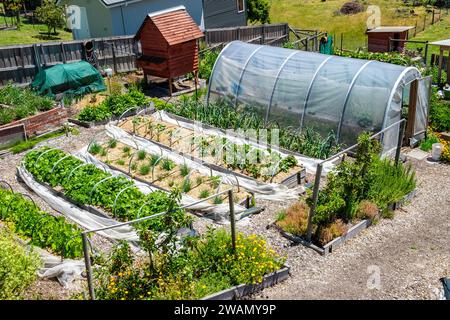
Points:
(169, 44)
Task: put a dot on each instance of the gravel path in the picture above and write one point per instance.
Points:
(411, 251)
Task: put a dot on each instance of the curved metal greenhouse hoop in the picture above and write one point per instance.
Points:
(4, 184)
(96, 185)
(73, 170)
(59, 161)
(123, 190)
(93, 140)
(121, 116)
(44, 152)
(154, 166)
(16, 195)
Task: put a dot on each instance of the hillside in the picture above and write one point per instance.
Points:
(315, 14)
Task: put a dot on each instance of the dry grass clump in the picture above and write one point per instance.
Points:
(367, 210)
(332, 231)
(294, 219)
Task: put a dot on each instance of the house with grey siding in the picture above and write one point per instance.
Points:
(104, 18)
(224, 13)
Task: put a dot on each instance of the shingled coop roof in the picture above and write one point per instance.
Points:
(175, 25)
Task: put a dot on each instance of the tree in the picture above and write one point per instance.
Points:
(258, 10)
(14, 6)
(51, 15)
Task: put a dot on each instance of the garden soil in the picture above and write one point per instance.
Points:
(410, 253)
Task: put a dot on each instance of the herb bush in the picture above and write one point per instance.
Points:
(115, 105)
(388, 57)
(78, 187)
(206, 63)
(439, 116)
(367, 178)
(18, 103)
(17, 267)
(220, 114)
(432, 138)
(202, 266)
(43, 229)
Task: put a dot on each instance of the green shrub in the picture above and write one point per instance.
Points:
(141, 154)
(43, 229)
(95, 148)
(205, 265)
(439, 116)
(204, 194)
(144, 170)
(17, 268)
(427, 144)
(115, 105)
(23, 102)
(112, 143)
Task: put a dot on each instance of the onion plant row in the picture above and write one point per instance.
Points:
(222, 115)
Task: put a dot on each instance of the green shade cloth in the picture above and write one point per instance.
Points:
(327, 47)
(75, 78)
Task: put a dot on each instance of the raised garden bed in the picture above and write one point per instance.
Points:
(243, 290)
(113, 107)
(352, 232)
(92, 189)
(214, 152)
(164, 174)
(19, 130)
(91, 124)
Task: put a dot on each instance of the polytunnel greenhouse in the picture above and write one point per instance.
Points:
(303, 89)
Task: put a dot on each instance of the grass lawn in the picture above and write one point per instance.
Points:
(439, 31)
(29, 33)
(315, 14)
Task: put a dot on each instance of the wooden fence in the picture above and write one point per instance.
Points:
(19, 64)
(271, 34)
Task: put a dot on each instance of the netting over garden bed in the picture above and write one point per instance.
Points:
(302, 89)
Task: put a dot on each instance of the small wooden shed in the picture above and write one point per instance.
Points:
(379, 39)
(169, 44)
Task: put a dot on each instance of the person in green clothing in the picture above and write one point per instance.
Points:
(326, 44)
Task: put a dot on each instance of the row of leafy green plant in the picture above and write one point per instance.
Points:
(77, 180)
(43, 230)
(439, 116)
(115, 105)
(357, 189)
(18, 103)
(388, 57)
(202, 265)
(220, 114)
(18, 267)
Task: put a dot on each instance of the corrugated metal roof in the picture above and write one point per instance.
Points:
(175, 24)
(445, 43)
(390, 29)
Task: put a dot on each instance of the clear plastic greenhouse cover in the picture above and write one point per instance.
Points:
(304, 89)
